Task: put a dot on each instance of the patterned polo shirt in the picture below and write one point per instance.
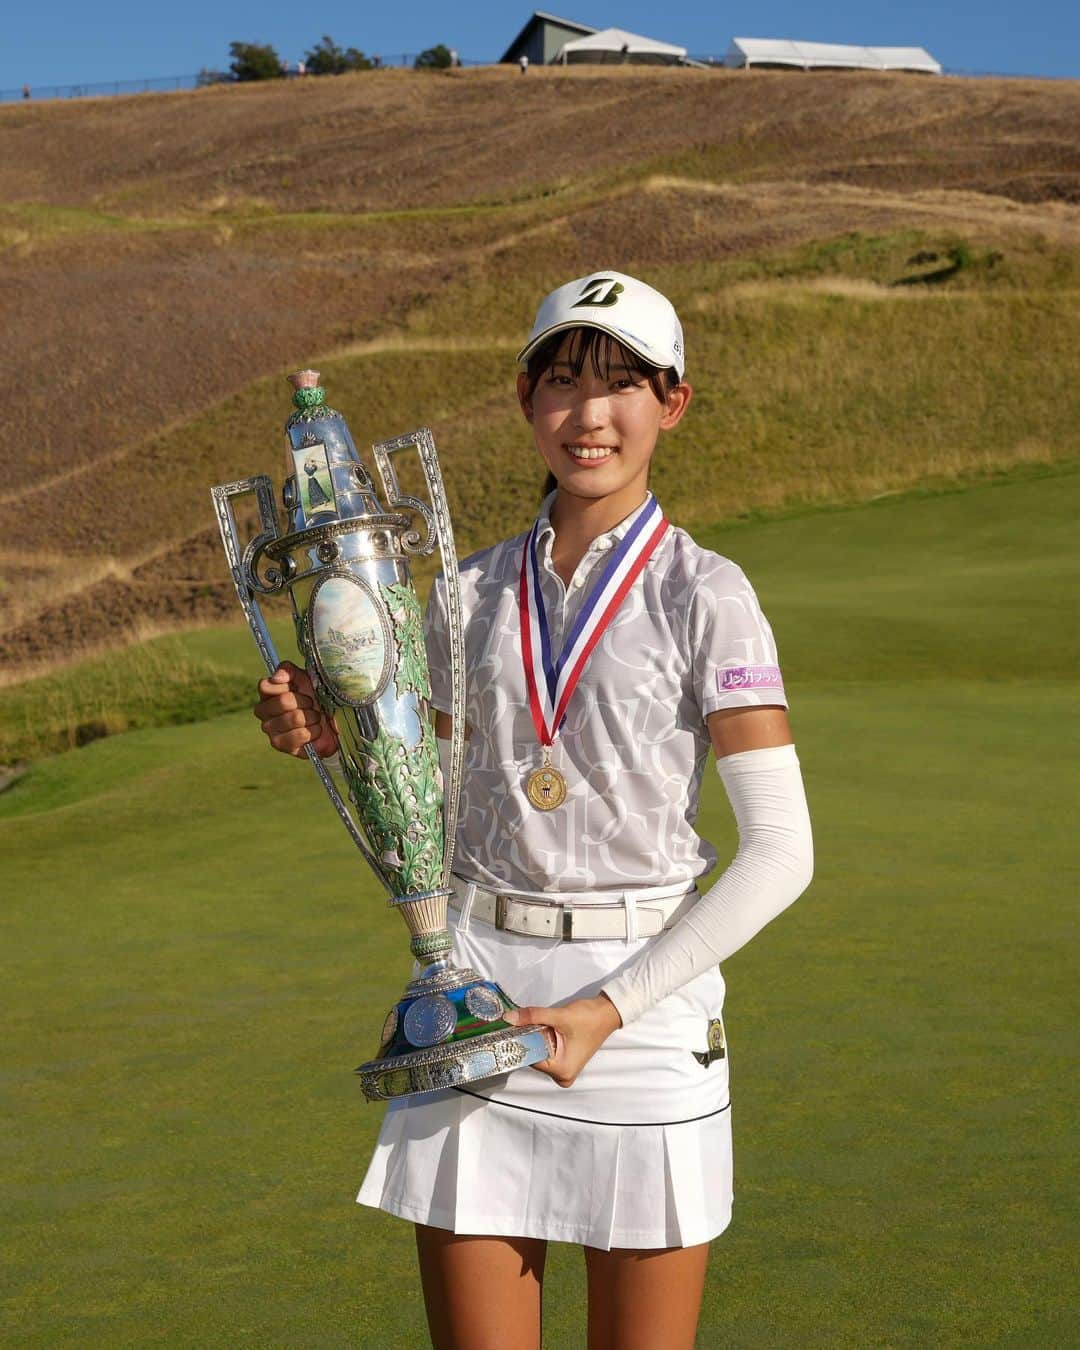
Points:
(688, 639)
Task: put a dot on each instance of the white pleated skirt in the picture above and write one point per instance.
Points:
(637, 1153)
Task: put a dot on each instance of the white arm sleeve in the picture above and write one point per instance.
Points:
(772, 868)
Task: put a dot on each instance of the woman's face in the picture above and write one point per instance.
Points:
(597, 432)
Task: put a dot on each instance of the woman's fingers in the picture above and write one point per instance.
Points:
(269, 708)
(526, 1017)
(289, 712)
(579, 1029)
(555, 1065)
(292, 720)
(287, 682)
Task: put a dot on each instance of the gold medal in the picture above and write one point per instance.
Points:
(546, 787)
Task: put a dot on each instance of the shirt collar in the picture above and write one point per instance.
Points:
(546, 531)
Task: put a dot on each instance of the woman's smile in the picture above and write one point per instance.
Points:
(590, 454)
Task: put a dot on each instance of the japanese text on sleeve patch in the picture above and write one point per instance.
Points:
(748, 677)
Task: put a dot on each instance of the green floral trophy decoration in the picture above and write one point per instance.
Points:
(344, 559)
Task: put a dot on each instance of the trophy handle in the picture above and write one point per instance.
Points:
(436, 518)
(244, 578)
(243, 567)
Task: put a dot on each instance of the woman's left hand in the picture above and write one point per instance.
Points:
(580, 1028)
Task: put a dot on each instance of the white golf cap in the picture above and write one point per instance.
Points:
(639, 317)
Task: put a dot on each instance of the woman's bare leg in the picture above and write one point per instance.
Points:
(481, 1293)
(645, 1300)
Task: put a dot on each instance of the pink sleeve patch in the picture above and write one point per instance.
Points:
(748, 677)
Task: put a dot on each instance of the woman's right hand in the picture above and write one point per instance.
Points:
(290, 713)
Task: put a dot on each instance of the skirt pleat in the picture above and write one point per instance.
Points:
(467, 1165)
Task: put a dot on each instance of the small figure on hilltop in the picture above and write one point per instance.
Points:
(26, 91)
(523, 62)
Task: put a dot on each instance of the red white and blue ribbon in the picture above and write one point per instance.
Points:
(550, 680)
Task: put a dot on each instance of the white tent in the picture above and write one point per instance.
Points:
(614, 45)
(745, 52)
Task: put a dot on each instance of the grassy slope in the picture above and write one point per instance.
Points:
(396, 231)
(823, 377)
(165, 223)
(200, 959)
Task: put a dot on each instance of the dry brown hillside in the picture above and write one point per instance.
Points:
(164, 259)
(395, 140)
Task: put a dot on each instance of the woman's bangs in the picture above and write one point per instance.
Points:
(602, 351)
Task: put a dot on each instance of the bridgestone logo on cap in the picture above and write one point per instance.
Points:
(600, 291)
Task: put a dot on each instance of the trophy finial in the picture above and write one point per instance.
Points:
(307, 391)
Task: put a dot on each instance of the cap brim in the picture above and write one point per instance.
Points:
(620, 337)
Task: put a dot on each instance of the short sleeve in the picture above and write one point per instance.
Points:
(437, 642)
(732, 650)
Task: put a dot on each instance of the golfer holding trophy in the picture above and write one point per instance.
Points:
(591, 663)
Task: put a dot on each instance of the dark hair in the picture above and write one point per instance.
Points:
(602, 351)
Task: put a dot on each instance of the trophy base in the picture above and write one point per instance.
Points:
(449, 1065)
(448, 1029)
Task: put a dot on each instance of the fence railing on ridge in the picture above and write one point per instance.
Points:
(171, 83)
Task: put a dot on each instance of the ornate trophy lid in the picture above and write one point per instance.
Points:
(307, 391)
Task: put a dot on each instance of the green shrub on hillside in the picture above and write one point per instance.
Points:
(250, 61)
(327, 58)
(434, 58)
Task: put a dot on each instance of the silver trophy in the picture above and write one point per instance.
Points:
(344, 559)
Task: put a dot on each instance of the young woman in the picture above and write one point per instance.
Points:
(606, 653)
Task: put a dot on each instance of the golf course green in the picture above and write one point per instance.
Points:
(196, 958)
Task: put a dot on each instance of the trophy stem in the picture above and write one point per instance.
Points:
(425, 918)
(448, 1027)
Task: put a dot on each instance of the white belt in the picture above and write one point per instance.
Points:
(638, 913)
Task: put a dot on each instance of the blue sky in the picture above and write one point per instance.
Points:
(71, 41)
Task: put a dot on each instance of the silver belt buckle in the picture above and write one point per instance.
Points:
(502, 913)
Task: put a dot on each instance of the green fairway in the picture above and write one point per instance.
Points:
(197, 957)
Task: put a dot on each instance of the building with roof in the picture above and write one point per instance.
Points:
(782, 53)
(542, 38)
(615, 46)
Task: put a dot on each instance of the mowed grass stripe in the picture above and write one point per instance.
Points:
(199, 959)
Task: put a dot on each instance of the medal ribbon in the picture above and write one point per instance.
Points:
(549, 696)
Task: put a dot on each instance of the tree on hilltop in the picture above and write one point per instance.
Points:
(327, 58)
(434, 58)
(250, 61)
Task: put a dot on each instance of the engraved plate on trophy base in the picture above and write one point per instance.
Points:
(459, 1062)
